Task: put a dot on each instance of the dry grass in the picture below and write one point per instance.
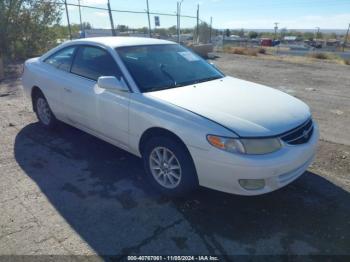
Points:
(274, 49)
(249, 51)
(309, 59)
(291, 59)
(313, 57)
(324, 56)
(331, 57)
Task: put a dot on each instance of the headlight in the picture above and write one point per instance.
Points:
(261, 146)
(245, 146)
(228, 144)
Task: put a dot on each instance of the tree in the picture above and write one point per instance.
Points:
(122, 28)
(319, 35)
(253, 34)
(204, 32)
(241, 33)
(162, 32)
(309, 36)
(172, 30)
(25, 27)
(87, 25)
(143, 30)
(227, 33)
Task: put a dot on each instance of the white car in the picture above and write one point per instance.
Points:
(191, 124)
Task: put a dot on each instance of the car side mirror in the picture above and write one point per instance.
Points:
(111, 83)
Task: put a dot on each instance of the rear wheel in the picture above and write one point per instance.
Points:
(169, 166)
(43, 111)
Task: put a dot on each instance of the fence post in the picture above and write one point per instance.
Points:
(2, 75)
(111, 19)
(69, 28)
(346, 38)
(197, 40)
(81, 21)
(211, 28)
(178, 21)
(149, 21)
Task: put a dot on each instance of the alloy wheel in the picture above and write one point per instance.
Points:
(165, 167)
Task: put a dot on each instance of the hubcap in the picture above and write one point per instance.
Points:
(43, 111)
(165, 167)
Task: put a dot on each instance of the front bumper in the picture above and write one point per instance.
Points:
(222, 171)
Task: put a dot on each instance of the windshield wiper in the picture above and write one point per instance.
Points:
(187, 83)
(207, 79)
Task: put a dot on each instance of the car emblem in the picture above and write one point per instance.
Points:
(306, 134)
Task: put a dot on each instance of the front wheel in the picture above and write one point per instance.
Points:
(43, 111)
(169, 166)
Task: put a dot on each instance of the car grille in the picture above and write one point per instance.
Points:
(299, 135)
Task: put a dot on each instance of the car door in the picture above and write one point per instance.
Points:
(101, 111)
(54, 77)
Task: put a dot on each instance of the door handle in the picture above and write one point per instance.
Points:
(67, 90)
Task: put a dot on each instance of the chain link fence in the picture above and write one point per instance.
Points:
(183, 28)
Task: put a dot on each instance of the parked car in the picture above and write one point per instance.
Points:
(314, 44)
(191, 124)
(266, 42)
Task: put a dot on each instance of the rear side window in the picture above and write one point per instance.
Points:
(93, 62)
(62, 59)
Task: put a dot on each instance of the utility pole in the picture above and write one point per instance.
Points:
(276, 28)
(346, 38)
(211, 28)
(111, 19)
(197, 29)
(81, 22)
(69, 29)
(317, 33)
(149, 21)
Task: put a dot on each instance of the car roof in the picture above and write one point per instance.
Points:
(120, 41)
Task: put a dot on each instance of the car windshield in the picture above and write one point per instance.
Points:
(159, 67)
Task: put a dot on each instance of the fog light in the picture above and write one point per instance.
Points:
(252, 184)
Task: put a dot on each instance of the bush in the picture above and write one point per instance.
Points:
(322, 56)
(238, 51)
(262, 51)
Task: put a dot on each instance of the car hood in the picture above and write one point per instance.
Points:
(248, 109)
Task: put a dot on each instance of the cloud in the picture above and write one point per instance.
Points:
(337, 21)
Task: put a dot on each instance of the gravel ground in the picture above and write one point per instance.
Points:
(66, 192)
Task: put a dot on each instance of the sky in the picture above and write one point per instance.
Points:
(233, 14)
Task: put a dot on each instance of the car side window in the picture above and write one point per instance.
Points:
(93, 62)
(62, 59)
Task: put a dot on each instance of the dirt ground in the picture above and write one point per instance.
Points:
(66, 192)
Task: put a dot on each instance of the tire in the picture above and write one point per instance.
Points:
(43, 111)
(165, 177)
